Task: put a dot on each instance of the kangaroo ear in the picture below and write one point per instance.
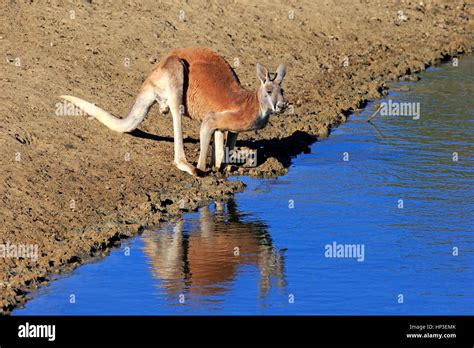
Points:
(262, 73)
(280, 73)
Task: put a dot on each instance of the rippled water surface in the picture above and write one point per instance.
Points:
(400, 196)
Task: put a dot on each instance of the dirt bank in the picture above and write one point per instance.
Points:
(74, 188)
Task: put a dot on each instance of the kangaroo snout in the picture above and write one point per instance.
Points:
(280, 107)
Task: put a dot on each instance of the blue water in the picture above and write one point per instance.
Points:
(400, 196)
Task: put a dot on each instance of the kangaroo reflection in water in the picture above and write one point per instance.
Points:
(200, 259)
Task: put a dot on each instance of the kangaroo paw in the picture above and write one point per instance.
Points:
(186, 167)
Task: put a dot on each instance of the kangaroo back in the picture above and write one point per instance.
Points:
(212, 85)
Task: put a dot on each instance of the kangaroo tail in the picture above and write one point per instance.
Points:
(139, 110)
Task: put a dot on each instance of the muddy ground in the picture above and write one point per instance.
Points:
(75, 188)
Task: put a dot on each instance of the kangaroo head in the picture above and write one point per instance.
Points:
(270, 93)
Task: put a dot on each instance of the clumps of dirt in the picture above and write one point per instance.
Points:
(268, 169)
(73, 188)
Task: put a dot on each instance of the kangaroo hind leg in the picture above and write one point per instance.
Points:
(174, 84)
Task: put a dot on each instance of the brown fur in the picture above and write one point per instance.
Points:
(212, 88)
